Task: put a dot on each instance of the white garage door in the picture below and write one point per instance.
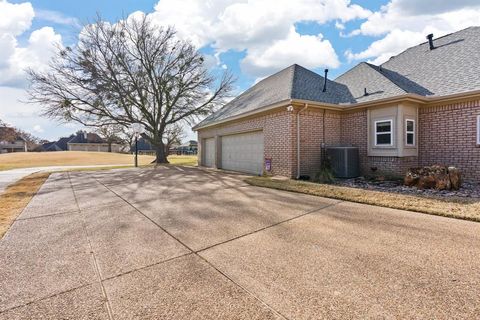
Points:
(243, 152)
(209, 152)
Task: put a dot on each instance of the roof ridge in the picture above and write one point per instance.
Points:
(379, 69)
(293, 71)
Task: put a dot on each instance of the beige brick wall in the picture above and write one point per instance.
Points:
(447, 136)
(354, 131)
(312, 137)
(278, 128)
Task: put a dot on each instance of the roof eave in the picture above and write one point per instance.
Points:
(243, 115)
(412, 97)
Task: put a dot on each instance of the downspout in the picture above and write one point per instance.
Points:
(298, 139)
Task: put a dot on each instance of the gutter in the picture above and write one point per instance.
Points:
(298, 139)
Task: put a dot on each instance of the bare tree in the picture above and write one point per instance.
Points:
(129, 72)
(173, 135)
(10, 133)
(111, 134)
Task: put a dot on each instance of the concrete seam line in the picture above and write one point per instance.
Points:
(44, 298)
(195, 253)
(148, 266)
(271, 226)
(92, 252)
(48, 215)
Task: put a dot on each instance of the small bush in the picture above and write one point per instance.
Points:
(325, 175)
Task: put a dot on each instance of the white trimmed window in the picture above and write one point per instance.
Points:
(410, 132)
(384, 133)
(478, 129)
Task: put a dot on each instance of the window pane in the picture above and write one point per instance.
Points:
(410, 138)
(385, 138)
(410, 126)
(384, 126)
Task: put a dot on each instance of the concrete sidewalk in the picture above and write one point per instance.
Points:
(166, 243)
(8, 177)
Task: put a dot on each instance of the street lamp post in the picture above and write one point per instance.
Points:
(136, 151)
(137, 130)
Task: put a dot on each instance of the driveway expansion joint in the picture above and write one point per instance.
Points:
(199, 256)
(47, 215)
(92, 252)
(44, 298)
(271, 226)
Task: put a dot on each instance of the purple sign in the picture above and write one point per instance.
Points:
(268, 164)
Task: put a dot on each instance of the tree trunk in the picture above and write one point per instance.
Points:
(109, 146)
(160, 153)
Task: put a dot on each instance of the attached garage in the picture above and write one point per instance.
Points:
(243, 152)
(209, 152)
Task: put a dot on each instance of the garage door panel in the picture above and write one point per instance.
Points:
(209, 152)
(243, 152)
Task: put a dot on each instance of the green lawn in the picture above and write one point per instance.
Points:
(183, 160)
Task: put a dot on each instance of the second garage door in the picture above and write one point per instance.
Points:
(209, 152)
(243, 152)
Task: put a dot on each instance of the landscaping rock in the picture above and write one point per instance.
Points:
(466, 190)
(437, 176)
(455, 178)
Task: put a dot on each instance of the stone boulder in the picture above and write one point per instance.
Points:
(437, 176)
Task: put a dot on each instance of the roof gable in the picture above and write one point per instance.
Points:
(294, 82)
(367, 77)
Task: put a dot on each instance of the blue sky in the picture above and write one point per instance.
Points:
(251, 38)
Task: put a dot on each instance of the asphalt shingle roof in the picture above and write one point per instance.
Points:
(452, 67)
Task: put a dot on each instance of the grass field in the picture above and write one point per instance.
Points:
(17, 196)
(79, 158)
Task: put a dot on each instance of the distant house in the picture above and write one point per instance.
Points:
(81, 141)
(143, 145)
(88, 141)
(191, 147)
(11, 141)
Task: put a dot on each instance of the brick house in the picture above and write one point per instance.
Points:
(421, 107)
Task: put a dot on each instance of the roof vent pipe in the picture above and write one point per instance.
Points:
(325, 81)
(365, 93)
(430, 41)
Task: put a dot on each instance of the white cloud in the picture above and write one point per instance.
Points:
(307, 50)
(15, 18)
(57, 17)
(404, 23)
(38, 128)
(393, 43)
(36, 54)
(254, 26)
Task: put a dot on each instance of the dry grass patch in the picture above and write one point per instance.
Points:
(183, 160)
(16, 197)
(68, 158)
(461, 208)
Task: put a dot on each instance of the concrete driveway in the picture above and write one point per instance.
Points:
(182, 243)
